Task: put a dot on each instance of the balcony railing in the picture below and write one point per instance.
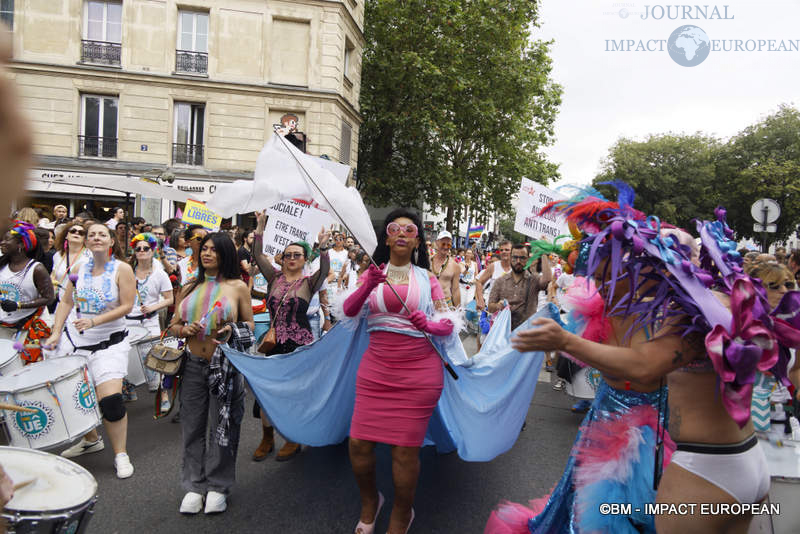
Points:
(97, 147)
(101, 52)
(191, 62)
(187, 154)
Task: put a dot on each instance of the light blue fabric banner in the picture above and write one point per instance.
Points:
(309, 394)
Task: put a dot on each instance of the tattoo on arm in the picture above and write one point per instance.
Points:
(678, 357)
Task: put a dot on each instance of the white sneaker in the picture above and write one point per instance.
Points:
(192, 503)
(165, 405)
(123, 465)
(84, 447)
(215, 502)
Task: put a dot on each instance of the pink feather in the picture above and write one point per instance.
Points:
(512, 518)
(587, 302)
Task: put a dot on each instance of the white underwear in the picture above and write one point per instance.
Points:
(739, 469)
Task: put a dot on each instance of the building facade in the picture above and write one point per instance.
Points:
(189, 89)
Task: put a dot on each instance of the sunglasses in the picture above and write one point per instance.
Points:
(394, 228)
(196, 238)
(142, 249)
(77, 231)
(293, 255)
(788, 285)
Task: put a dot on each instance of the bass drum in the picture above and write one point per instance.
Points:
(584, 383)
(59, 499)
(136, 370)
(63, 396)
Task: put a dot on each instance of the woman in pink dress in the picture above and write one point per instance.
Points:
(400, 376)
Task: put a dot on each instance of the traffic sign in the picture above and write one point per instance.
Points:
(771, 228)
(765, 208)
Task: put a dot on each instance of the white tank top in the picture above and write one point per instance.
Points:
(19, 287)
(96, 295)
(497, 272)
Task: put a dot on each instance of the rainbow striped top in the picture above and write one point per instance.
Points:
(206, 301)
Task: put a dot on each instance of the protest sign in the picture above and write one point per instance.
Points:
(533, 197)
(291, 221)
(196, 213)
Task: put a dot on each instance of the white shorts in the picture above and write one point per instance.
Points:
(104, 365)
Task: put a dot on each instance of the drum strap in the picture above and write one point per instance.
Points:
(115, 338)
(141, 317)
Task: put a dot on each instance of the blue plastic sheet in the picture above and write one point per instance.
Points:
(309, 394)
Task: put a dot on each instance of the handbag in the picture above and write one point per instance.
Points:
(164, 359)
(270, 339)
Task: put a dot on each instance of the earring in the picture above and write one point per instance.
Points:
(110, 251)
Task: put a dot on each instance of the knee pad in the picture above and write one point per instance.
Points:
(112, 407)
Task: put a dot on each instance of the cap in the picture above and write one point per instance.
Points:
(444, 234)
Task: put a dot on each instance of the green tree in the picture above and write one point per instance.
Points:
(457, 101)
(673, 175)
(763, 161)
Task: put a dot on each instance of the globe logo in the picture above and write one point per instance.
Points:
(688, 46)
(623, 13)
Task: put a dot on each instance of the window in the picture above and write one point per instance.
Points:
(344, 150)
(349, 48)
(98, 136)
(192, 47)
(7, 13)
(102, 32)
(187, 146)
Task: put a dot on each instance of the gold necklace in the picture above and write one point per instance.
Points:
(444, 265)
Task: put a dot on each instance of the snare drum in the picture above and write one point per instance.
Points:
(60, 499)
(9, 358)
(63, 396)
(261, 325)
(136, 371)
(584, 383)
(259, 306)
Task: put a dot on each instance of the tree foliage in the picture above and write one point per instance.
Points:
(682, 177)
(763, 161)
(673, 175)
(457, 101)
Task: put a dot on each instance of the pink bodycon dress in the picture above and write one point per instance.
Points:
(399, 381)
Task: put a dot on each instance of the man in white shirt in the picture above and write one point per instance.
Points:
(119, 215)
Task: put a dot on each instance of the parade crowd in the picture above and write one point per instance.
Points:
(663, 422)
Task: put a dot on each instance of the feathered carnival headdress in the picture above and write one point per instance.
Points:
(624, 247)
(149, 238)
(25, 232)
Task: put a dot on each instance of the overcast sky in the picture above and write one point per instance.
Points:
(608, 95)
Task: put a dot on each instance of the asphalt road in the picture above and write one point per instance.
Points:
(315, 492)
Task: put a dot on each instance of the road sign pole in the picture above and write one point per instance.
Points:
(764, 233)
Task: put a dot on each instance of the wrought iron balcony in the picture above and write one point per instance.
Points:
(101, 52)
(97, 147)
(191, 62)
(187, 154)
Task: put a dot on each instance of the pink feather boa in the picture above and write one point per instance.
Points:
(590, 307)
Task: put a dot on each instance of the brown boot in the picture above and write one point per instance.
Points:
(288, 451)
(266, 445)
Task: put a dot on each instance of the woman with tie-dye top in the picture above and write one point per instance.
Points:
(211, 309)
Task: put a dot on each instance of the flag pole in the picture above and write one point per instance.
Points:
(446, 364)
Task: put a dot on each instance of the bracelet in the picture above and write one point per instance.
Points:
(92, 320)
(323, 249)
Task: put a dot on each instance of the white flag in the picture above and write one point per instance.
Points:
(278, 177)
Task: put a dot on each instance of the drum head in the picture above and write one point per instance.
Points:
(137, 333)
(59, 484)
(38, 373)
(7, 351)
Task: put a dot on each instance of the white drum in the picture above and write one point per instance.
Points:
(9, 357)
(584, 383)
(136, 372)
(63, 396)
(784, 470)
(60, 498)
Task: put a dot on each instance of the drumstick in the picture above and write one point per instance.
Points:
(18, 346)
(74, 278)
(24, 483)
(15, 408)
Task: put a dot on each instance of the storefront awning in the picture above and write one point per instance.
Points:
(125, 184)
